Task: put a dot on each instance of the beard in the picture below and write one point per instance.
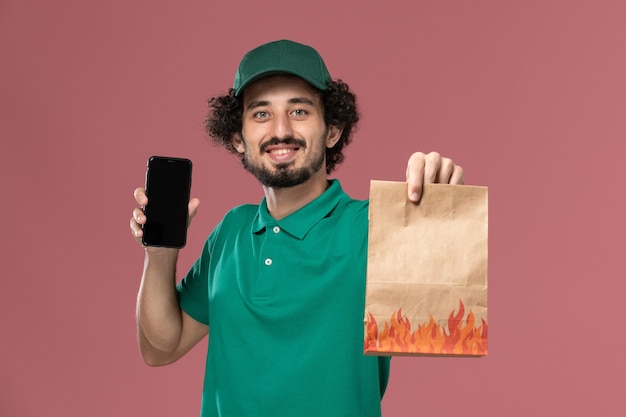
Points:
(285, 175)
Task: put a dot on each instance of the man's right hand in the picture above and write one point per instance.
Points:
(139, 218)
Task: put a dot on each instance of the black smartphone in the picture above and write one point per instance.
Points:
(168, 187)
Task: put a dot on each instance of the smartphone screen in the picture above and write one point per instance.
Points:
(168, 185)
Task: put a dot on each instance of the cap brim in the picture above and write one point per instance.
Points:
(269, 72)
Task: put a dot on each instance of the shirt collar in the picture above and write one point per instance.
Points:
(300, 222)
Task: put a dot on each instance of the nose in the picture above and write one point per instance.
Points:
(281, 127)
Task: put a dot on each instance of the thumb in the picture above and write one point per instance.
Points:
(194, 203)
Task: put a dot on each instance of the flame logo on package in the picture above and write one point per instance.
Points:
(460, 338)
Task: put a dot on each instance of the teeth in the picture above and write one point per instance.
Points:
(282, 151)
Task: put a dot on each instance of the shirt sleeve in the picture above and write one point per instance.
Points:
(193, 289)
(384, 365)
(193, 292)
(359, 233)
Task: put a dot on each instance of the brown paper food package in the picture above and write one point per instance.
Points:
(427, 271)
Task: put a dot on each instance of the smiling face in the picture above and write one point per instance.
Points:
(284, 136)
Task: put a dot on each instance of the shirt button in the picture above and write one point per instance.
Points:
(268, 261)
(276, 229)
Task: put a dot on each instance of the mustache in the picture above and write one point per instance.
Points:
(284, 141)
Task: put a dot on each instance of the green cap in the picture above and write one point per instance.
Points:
(282, 57)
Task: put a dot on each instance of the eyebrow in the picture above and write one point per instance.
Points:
(295, 100)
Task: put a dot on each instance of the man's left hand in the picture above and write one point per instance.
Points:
(430, 168)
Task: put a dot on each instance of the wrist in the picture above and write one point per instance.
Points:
(161, 257)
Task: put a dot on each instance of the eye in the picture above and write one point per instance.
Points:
(299, 112)
(261, 115)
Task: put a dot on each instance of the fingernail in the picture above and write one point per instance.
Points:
(415, 197)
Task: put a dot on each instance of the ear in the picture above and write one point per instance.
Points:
(237, 142)
(334, 134)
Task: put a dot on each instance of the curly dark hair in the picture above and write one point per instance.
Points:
(340, 109)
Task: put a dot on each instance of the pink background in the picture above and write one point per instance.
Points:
(529, 97)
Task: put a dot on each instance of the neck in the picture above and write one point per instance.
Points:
(281, 202)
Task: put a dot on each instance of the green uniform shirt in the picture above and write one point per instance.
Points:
(284, 301)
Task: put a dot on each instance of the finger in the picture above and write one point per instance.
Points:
(140, 196)
(445, 171)
(458, 176)
(432, 167)
(136, 230)
(139, 216)
(415, 175)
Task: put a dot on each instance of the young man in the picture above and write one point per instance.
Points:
(279, 286)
